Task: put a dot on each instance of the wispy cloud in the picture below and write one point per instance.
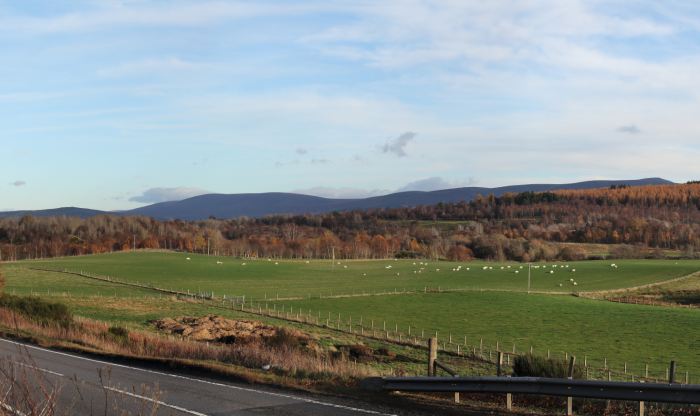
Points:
(631, 129)
(201, 162)
(341, 193)
(154, 195)
(398, 145)
(317, 161)
(302, 151)
(18, 183)
(436, 183)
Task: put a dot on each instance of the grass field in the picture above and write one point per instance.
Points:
(561, 324)
(261, 278)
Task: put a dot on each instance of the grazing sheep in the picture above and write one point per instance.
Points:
(307, 262)
(509, 267)
(421, 262)
(189, 258)
(571, 280)
(338, 262)
(554, 265)
(567, 266)
(414, 272)
(574, 283)
(454, 270)
(365, 274)
(573, 270)
(516, 271)
(501, 267)
(345, 267)
(418, 271)
(269, 259)
(414, 264)
(551, 271)
(559, 284)
(243, 264)
(276, 263)
(521, 267)
(490, 268)
(612, 265)
(485, 267)
(467, 268)
(437, 270)
(398, 274)
(544, 267)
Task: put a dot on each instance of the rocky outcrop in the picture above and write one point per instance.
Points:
(216, 328)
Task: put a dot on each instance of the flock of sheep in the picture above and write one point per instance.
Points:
(460, 267)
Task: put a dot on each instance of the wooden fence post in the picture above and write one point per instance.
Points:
(499, 368)
(569, 400)
(432, 356)
(672, 377)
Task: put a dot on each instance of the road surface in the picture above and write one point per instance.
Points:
(183, 395)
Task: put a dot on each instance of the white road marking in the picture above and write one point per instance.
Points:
(182, 409)
(206, 382)
(37, 368)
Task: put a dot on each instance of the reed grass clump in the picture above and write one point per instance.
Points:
(529, 365)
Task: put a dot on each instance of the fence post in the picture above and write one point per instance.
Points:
(432, 356)
(499, 363)
(569, 400)
(672, 377)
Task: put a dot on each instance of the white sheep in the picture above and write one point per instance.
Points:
(421, 262)
(571, 280)
(509, 267)
(454, 270)
(338, 262)
(612, 265)
(486, 267)
(554, 265)
(307, 262)
(490, 268)
(521, 267)
(559, 284)
(414, 272)
(276, 263)
(345, 267)
(467, 268)
(437, 270)
(269, 259)
(544, 267)
(516, 271)
(551, 271)
(243, 264)
(567, 266)
(398, 274)
(414, 264)
(573, 270)
(574, 283)
(501, 267)
(189, 258)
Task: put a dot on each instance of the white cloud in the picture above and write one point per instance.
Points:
(154, 195)
(341, 193)
(436, 183)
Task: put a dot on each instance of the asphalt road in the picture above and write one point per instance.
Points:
(183, 395)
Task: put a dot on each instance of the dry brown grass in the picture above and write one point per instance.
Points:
(284, 359)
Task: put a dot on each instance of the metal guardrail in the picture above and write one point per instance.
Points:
(594, 389)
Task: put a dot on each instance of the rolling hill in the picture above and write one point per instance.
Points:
(258, 205)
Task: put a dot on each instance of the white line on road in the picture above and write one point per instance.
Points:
(206, 382)
(182, 409)
(37, 368)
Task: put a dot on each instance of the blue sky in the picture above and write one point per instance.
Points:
(110, 104)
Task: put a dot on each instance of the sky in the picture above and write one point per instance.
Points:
(112, 105)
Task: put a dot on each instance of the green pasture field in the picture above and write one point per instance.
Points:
(559, 323)
(23, 281)
(266, 279)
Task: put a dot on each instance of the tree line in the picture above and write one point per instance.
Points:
(527, 226)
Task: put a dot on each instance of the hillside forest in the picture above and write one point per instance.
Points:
(637, 222)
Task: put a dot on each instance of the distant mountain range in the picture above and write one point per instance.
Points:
(258, 205)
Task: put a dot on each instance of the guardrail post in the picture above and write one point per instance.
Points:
(569, 400)
(432, 356)
(672, 377)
